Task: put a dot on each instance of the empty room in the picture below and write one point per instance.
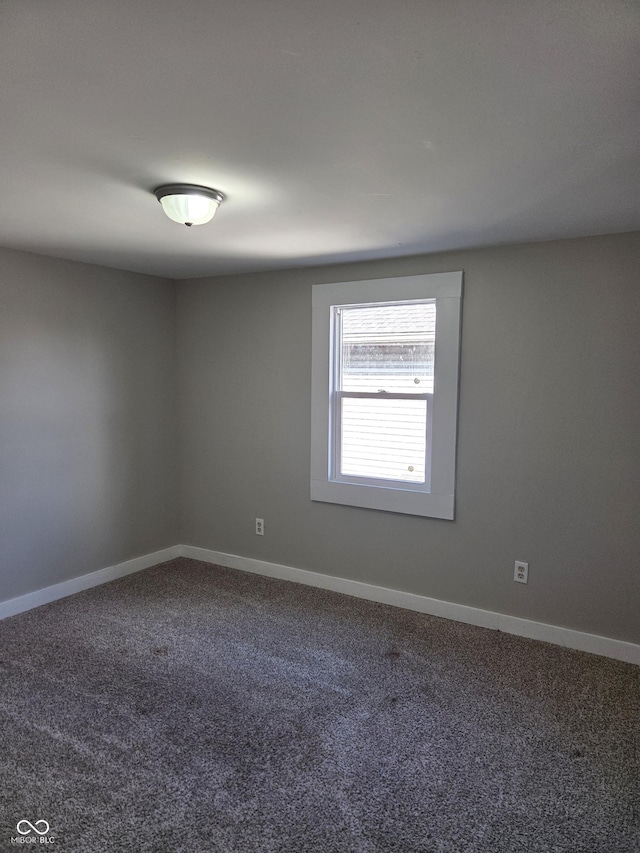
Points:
(319, 426)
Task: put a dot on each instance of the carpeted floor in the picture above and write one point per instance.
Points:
(195, 708)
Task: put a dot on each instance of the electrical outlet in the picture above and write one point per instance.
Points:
(259, 526)
(521, 572)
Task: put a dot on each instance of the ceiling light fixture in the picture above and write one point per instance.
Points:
(188, 204)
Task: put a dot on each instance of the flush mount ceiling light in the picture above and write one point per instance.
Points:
(188, 204)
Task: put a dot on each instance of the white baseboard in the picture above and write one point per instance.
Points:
(61, 590)
(606, 646)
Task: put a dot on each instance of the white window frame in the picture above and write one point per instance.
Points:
(436, 497)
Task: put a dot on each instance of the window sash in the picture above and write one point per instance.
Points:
(382, 482)
(337, 395)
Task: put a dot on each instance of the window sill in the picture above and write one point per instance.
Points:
(389, 499)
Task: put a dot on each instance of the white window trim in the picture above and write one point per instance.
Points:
(439, 501)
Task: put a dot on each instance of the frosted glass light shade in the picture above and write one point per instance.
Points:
(189, 209)
(189, 204)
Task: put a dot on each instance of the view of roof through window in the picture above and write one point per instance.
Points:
(389, 344)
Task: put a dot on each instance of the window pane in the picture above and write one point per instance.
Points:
(384, 439)
(388, 347)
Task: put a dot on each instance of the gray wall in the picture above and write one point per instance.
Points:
(547, 455)
(87, 419)
(548, 434)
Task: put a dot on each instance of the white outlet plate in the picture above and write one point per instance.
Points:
(521, 572)
(259, 526)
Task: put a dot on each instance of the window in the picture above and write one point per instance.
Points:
(385, 393)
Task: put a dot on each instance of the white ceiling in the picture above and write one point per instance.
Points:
(337, 130)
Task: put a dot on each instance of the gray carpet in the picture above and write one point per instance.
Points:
(191, 707)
